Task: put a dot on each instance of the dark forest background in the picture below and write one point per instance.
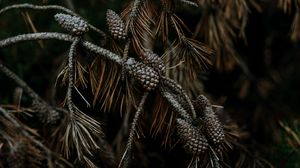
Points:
(259, 90)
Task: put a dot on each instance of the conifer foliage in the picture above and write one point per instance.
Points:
(142, 81)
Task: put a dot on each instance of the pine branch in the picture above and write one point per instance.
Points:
(49, 155)
(46, 113)
(48, 7)
(63, 37)
(174, 86)
(35, 36)
(190, 3)
(82, 126)
(138, 21)
(98, 50)
(214, 158)
(175, 104)
(79, 131)
(20, 82)
(125, 158)
(134, 11)
(125, 55)
(72, 52)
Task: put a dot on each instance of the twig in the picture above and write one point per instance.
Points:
(35, 36)
(176, 105)
(174, 86)
(20, 82)
(135, 6)
(63, 37)
(125, 55)
(49, 153)
(37, 7)
(125, 160)
(190, 3)
(290, 132)
(133, 15)
(71, 75)
(47, 7)
(47, 113)
(98, 50)
(214, 158)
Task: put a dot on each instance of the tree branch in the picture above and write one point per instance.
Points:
(48, 7)
(174, 86)
(72, 52)
(125, 160)
(63, 37)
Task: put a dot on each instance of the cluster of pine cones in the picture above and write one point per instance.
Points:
(207, 131)
(197, 136)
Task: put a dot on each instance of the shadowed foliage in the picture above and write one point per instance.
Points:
(149, 83)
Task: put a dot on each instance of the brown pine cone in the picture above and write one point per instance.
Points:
(194, 142)
(153, 60)
(213, 127)
(200, 103)
(147, 76)
(46, 113)
(115, 25)
(74, 24)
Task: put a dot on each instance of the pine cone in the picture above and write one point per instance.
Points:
(200, 103)
(153, 60)
(172, 85)
(213, 128)
(182, 102)
(115, 25)
(45, 112)
(192, 138)
(74, 24)
(147, 76)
